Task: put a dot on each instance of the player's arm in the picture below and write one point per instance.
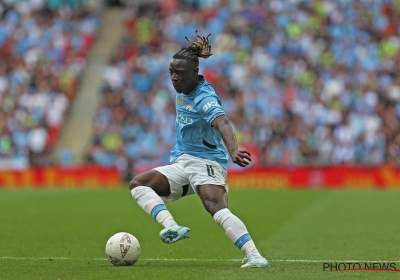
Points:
(240, 157)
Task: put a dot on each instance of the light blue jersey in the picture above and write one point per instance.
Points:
(195, 136)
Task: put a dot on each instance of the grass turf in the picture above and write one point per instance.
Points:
(61, 234)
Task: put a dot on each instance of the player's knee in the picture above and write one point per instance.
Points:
(214, 205)
(136, 182)
(153, 180)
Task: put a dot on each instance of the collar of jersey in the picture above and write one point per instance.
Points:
(201, 82)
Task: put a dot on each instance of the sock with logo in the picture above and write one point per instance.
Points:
(236, 232)
(150, 202)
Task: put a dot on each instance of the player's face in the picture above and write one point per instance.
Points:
(183, 75)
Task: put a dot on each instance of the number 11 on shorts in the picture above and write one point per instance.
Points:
(210, 170)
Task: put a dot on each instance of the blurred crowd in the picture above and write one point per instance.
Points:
(303, 82)
(43, 51)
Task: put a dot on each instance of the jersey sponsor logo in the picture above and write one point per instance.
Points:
(181, 101)
(209, 105)
(182, 120)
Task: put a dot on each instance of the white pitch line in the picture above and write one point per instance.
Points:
(209, 260)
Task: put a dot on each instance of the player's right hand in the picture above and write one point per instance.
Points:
(240, 157)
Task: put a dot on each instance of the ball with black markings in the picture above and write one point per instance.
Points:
(122, 249)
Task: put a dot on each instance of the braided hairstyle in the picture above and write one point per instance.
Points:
(199, 48)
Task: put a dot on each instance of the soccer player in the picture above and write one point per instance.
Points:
(199, 159)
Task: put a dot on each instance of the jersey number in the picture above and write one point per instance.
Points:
(210, 170)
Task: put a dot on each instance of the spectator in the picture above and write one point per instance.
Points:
(43, 50)
(303, 82)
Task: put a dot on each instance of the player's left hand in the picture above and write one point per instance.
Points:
(240, 157)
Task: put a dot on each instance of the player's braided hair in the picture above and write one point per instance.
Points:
(199, 48)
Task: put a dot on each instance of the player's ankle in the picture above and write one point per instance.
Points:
(169, 223)
(254, 254)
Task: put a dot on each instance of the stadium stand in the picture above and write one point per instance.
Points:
(303, 82)
(43, 51)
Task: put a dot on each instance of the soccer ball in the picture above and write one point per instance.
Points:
(122, 249)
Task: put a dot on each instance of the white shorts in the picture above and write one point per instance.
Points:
(188, 172)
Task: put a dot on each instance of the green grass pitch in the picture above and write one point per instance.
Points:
(61, 234)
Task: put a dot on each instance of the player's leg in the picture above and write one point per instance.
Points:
(215, 200)
(151, 190)
(209, 179)
(146, 189)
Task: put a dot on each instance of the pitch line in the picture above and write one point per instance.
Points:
(209, 260)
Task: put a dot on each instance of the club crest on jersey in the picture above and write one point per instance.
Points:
(181, 101)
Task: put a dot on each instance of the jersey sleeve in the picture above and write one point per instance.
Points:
(209, 108)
